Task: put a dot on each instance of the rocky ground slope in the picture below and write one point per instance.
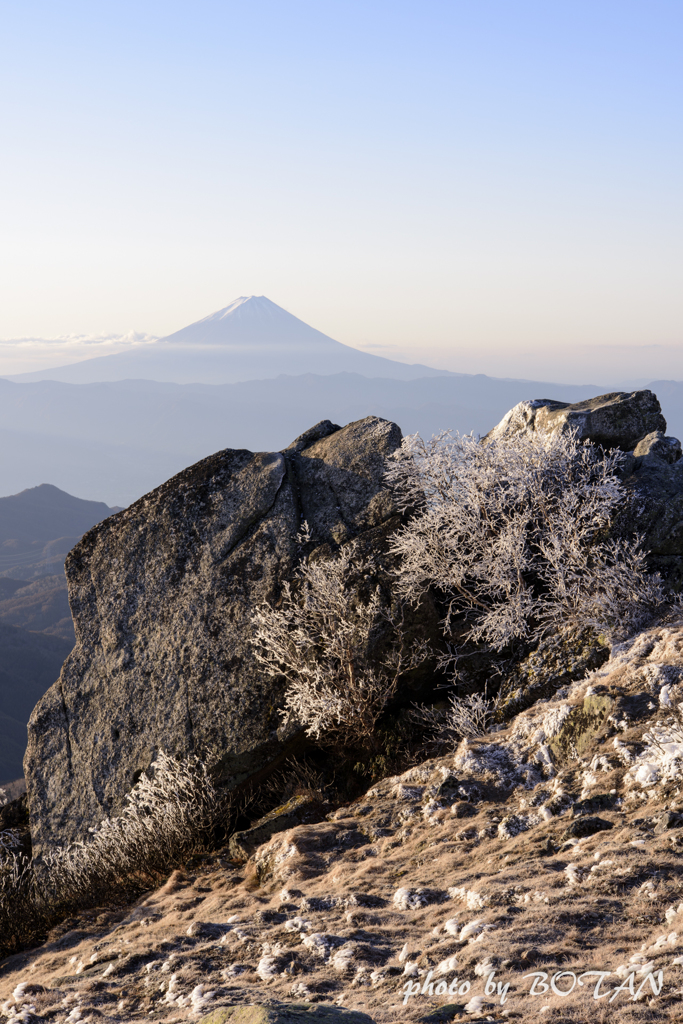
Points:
(531, 874)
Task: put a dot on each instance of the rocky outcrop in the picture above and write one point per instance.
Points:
(652, 471)
(162, 596)
(616, 420)
(654, 475)
(296, 811)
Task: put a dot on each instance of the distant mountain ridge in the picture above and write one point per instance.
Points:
(45, 512)
(29, 664)
(37, 528)
(251, 338)
(40, 525)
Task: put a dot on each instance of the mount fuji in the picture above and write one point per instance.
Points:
(251, 339)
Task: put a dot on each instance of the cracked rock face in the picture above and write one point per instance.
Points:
(162, 596)
(617, 420)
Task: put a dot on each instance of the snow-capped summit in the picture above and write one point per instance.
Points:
(249, 307)
(254, 320)
(250, 339)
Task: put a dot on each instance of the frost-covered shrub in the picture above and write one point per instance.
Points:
(515, 535)
(169, 815)
(339, 645)
(10, 839)
(464, 717)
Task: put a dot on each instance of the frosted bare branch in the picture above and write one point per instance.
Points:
(323, 639)
(514, 533)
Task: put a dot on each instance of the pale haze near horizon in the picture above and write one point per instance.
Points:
(487, 188)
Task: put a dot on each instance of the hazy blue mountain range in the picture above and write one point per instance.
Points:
(251, 338)
(118, 440)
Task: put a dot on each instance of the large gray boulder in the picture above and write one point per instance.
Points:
(654, 475)
(162, 596)
(616, 420)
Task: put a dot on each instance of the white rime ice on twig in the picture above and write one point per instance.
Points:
(318, 944)
(297, 924)
(511, 531)
(446, 966)
(168, 815)
(343, 960)
(320, 638)
(200, 997)
(467, 716)
(268, 967)
(472, 929)
(475, 1005)
(408, 899)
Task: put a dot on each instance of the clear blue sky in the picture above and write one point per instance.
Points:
(491, 185)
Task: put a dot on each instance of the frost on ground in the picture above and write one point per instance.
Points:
(555, 844)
